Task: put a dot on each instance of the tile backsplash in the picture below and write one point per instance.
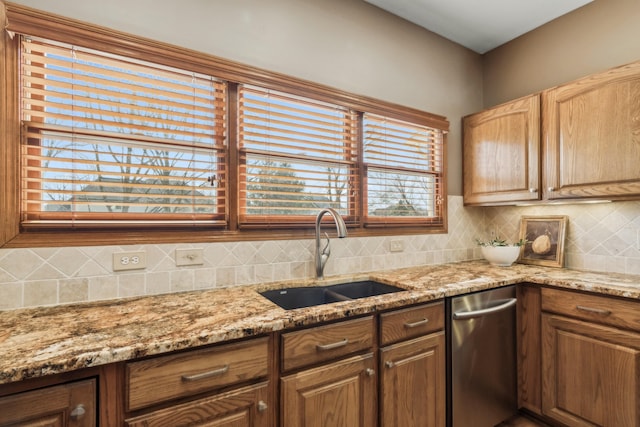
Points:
(601, 237)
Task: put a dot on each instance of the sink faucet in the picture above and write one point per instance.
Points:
(323, 255)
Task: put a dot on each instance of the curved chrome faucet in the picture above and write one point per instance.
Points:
(322, 256)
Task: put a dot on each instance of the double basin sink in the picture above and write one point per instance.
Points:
(299, 297)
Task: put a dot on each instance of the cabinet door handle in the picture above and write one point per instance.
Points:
(550, 189)
(416, 324)
(533, 190)
(593, 310)
(78, 412)
(391, 364)
(262, 406)
(208, 374)
(325, 347)
(370, 372)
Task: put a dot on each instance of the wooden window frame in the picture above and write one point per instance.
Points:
(25, 20)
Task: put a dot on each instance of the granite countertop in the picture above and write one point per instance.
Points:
(49, 340)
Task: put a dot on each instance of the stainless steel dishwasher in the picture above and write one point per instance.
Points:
(481, 346)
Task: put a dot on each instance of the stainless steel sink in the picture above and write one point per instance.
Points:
(299, 297)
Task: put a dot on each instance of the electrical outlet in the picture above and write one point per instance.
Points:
(129, 260)
(189, 257)
(396, 246)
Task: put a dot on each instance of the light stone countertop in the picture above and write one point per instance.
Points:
(43, 341)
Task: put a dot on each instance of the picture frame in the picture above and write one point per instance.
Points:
(544, 237)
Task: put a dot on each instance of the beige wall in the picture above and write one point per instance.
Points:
(598, 36)
(346, 44)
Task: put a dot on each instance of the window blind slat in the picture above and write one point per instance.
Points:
(105, 95)
(108, 139)
(297, 157)
(403, 170)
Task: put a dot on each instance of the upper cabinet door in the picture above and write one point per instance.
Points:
(591, 134)
(501, 149)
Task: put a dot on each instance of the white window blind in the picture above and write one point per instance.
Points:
(404, 170)
(297, 156)
(109, 139)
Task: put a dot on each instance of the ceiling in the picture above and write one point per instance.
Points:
(479, 25)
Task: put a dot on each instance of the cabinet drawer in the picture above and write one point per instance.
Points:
(326, 342)
(168, 377)
(411, 322)
(596, 308)
(246, 406)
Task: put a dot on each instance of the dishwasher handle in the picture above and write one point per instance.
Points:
(463, 315)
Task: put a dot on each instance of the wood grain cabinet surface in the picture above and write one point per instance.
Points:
(411, 322)
(322, 343)
(412, 367)
(412, 375)
(242, 407)
(501, 148)
(65, 405)
(337, 394)
(590, 366)
(580, 140)
(342, 392)
(225, 385)
(163, 378)
(591, 134)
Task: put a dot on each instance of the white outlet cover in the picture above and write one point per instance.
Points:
(136, 260)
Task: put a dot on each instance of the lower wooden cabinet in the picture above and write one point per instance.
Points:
(72, 404)
(338, 394)
(408, 372)
(590, 359)
(591, 373)
(412, 375)
(244, 407)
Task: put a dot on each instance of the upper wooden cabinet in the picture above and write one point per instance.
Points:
(591, 134)
(583, 136)
(501, 149)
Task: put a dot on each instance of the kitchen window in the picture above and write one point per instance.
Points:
(118, 139)
(109, 140)
(297, 156)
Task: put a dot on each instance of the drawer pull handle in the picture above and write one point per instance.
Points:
(416, 324)
(594, 310)
(208, 374)
(332, 346)
(262, 406)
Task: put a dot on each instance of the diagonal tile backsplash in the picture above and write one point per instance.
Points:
(601, 237)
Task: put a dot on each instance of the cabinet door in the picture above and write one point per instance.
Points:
(501, 149)
(72, 404)
(591, 373)
(413, 383)
(591, 131)
(339, 394)
(244, 407)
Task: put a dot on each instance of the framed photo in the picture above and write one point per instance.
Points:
(545, 240)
